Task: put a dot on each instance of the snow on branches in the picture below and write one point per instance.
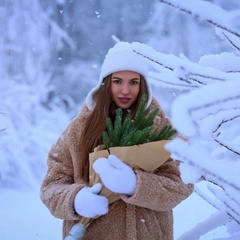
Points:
(210, 13)
(227, 23)
(208, 114)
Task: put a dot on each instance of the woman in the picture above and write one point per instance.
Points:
(147, 199)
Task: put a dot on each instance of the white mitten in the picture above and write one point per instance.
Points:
(116, 175)
(88, 203)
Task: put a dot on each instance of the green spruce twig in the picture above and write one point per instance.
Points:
(135, 131)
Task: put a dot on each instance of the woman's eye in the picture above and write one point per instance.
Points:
(134, 82)
(117, 81)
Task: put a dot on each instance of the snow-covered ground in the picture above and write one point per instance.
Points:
(23, 216)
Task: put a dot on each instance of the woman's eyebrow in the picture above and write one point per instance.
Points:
(132, 79)
(136, 79)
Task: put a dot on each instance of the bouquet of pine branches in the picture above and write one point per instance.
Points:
(135, 131)
(135, 142)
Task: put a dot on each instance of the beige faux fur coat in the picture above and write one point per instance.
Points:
(145, 215)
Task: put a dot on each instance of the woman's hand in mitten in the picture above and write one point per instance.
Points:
(88, 203)
(116, 176)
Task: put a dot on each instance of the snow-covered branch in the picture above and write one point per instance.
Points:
(217, 219)
(175, 72)
(212, 14)
(208, 115)
(217, 134)
(209, 170)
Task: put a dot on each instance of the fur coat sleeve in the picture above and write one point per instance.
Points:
(62, 180)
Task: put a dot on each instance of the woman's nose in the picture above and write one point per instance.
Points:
(125, 89)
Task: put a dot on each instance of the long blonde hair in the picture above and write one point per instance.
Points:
(96, 122)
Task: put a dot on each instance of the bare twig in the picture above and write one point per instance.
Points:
(227, 147)
(197, 16)
(221, 143)
(234, 45)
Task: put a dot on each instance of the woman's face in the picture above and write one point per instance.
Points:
(125, 87)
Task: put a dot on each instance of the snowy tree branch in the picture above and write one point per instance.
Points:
(224, 144)
(217, 219)
(176, 72)
(219, 181)
(208, 116)
(227, 202)
(196, 12)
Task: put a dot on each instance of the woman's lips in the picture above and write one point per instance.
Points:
(124, 100)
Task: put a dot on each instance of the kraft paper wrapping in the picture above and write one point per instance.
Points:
(147, 157)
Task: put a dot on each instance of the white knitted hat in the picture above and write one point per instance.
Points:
(120, 58)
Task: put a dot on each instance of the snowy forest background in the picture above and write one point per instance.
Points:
(51, 53)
